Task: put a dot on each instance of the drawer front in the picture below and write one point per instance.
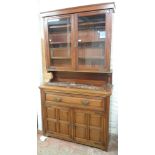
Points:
(74, 100)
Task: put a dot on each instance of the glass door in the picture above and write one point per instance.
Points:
(91, 41)
(59, 41)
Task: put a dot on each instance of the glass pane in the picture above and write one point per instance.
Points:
(91, 42)
(59, 30)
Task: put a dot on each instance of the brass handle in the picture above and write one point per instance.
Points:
(85, 102)
(57, 99)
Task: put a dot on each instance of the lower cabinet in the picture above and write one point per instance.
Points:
(74, 116)
(78, 125)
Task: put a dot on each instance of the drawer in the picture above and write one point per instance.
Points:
(76, 100)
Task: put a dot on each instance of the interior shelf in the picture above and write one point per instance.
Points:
(60, 58)
(100, 58)
(59, 26)
(93, 41)
(91, 23)
(58, 43)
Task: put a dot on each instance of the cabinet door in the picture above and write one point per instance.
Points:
(51, 119)
(92, 41)
(80, 128)
(58, 121)
(96, 128)
(58, 42)
(89, 127)
(64, 122)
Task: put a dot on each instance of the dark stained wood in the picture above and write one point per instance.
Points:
(108, 39)
(47, 53)
(42, 93)
(93, 7)
(77, 63)
(78, 114)
(64, 64)
(75, 117)
(73, 41)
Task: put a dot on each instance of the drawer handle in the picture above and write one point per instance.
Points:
(57, 99)
(85, 102)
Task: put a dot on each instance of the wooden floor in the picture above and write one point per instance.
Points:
(53, 146)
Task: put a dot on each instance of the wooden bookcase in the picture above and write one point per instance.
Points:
(75, 102)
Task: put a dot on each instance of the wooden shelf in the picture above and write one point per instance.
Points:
(60, 26)
(100, 58)
(96, 41)
(78, 71)
(60, 58)
(91, 23)
(51, 43)
(59, 48)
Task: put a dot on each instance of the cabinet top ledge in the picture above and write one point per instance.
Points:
(92, 7)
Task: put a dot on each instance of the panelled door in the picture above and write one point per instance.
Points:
(80, 128)
(58, 121)
(89, 127)
(58, 42)
(80, 125)
(79, 41)
(96, 128)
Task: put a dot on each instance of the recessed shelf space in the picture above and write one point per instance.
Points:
(91, 36)
(59, 24)
(59, 37)
(94, 22)
(61, 62)
(60, 52)
(96, 44)
(59, 29)
(60, 45)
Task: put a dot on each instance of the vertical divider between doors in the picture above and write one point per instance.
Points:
(88, 126)
(57, 120)
(74, 38)
(72, 122)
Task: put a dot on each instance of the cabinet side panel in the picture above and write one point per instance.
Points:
(107, 122)
(43, 110)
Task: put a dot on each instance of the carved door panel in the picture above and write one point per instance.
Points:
(51, 119)
(96, 128)
(89, 127)
(64, 122)
(80, 125)
(58, 121)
